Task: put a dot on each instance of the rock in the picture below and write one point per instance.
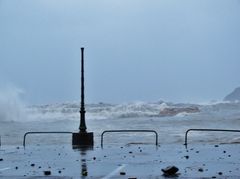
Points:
(1, 159)
(47, 172)
(220, 173)
(170, 170)
(84, 173)
(172, 111)
(233, 96)
(122, 173)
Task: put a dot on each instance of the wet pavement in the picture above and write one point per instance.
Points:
(126, 161)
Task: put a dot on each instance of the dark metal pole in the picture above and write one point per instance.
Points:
(82, 138)
(82, 126)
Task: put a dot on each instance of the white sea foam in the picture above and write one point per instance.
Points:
(11, 106)
(95, 111)
(102, 116)
(70, 111)
(13, 109)
(182, 114)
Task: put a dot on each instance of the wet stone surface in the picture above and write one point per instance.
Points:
(130, 161)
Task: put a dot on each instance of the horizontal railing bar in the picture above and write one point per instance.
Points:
(50, 132)
(208, 130)
(117, 131)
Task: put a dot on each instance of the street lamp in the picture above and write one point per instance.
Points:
(82, 138)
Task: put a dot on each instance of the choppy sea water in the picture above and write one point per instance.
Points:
(138, 115)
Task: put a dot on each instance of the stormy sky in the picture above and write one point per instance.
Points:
(135, 50)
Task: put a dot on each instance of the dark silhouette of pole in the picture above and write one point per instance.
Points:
(82, 126)
(82, 138)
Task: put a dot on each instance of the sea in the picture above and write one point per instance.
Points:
(17, 119)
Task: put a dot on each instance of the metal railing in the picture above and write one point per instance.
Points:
(208, 130)
(55, 132)
(121, 131)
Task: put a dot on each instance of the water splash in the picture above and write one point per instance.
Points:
(11, 106)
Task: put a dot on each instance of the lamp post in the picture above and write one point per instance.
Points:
(82, 138)
(82, 126)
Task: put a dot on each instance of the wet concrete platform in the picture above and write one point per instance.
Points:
(127, 161)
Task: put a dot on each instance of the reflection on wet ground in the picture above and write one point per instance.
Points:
(127, 161)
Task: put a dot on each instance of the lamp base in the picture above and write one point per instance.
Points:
(82, 139)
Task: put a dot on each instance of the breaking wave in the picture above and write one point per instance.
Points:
(13, 109)
(96, 111)
(70, 110)
(11, 106)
